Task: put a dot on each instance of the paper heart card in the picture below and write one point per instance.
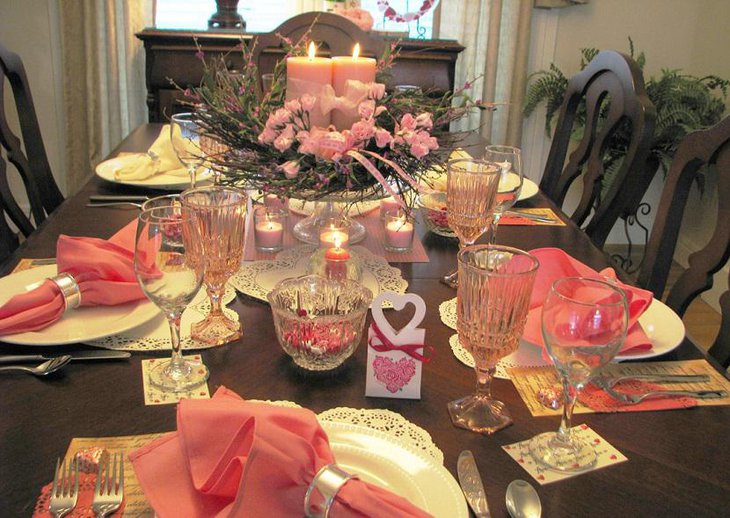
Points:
(395, 358)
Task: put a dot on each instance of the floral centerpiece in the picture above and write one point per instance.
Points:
(267, 142)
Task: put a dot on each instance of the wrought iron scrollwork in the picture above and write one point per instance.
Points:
(626, 262)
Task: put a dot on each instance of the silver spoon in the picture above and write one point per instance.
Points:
(44, 368)
(522, 500)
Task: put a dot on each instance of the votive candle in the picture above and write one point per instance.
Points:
(398, 230)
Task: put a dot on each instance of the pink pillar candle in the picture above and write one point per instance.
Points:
(309, 75)
(346, 68)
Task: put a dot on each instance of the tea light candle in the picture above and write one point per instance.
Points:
(398, 232)
(308, 75)
(336, 263)
(333, 237)
(268, 231)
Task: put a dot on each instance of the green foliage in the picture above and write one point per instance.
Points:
(683, 103)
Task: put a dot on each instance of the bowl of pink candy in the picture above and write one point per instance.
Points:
(433, 211)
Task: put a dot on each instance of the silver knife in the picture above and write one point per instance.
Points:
(530, 215)
(471, 484)
(102, 354)
(117, 197)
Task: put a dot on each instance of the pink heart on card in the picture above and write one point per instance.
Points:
(394, 375)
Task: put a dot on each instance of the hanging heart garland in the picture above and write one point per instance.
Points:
(393, 15)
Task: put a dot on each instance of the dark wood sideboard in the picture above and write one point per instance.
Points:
(171, 56)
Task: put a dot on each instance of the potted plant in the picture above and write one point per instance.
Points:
(683, 102)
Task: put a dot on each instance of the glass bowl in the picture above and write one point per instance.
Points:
(433, 210)
(319, 321)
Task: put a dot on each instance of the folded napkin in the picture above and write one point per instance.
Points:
(160, 159)
(104, 271)
(233, 458)
(554, 264)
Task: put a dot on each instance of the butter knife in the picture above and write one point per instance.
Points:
(96, 198)
(471, 484)
(77, 355)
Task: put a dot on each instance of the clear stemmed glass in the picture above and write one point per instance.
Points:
(220, 216)
(509, 161)
(584, 323)
(493, 298)
(165, 246)
(471, 188)
(185, 137)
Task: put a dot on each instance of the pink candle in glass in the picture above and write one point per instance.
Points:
(346, 68)
(273, 202)
(333, 238)
(268, 234)
(308, 75)
(388, 205)
(398, 233)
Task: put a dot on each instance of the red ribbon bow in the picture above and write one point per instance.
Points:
(386, 345)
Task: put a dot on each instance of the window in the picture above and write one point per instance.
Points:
(265, 16)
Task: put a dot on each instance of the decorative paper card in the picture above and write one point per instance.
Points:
(547, 213)
(529, 380)
(395, 359)
(27, 264)
(153, 396)
(607, 456)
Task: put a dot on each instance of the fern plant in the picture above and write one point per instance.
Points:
(683, 103)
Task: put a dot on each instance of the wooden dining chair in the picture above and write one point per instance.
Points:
(698, 150)
(334, 34)
(611, 88)
(26, 153)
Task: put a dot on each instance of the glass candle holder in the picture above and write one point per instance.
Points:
(273, 202)
(388, 205)
(269, 226)
(398, 230)
(334, 233)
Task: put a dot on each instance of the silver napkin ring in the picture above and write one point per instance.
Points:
(328, 481)
(69, 289)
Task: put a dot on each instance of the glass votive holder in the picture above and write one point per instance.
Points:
(334, 233)
(268, 229)
(274, 202)
(388, 205)
(398, 230)
(338, 264)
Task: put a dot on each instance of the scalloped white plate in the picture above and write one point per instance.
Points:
(390, 463)
(107, 168)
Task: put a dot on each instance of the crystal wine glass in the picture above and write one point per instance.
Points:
(471, 188)
(185, 138)
(493, 298)
(509, 161)
(220, 216)
(164, 248)
(584, 323)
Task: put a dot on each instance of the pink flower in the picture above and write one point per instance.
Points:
(408, 122)
(363, 130)
(422, 143)
(308, 102)
(267, 136)
(278, 118)
(382, 137)
(359, 17)
(291, 169)
(282, 143)
(379, 110)
(366, 109)
(377, 91)
(424, 120)
(293, 106)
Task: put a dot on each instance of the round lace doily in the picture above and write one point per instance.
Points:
(257, 278)
(447, 310)
(387, 422)
(155, 334)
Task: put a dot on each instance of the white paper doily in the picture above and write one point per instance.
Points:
(155, 334)
(526, 355)
(386, 421)
(257, 278)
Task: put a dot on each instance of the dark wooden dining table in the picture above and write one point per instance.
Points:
(678, 461)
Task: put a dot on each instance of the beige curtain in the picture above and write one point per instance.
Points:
(103, 78)
(496, 34)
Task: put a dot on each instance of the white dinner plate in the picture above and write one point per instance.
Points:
(663, 327)
(529, 189)
(77, 325)
(106, 170)
(306, 208)
(391, 463)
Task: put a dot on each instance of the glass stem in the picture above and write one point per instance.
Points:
(193, 173)
(493, 229)
(484, 382)
(174, 321)
(215, 294)
(569, 395)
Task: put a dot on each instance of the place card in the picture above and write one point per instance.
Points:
(530, 380)
(153, 396)
(395, 359)
(607, 456)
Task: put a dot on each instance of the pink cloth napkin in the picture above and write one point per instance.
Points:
(554, 264)
(233, 458)
(104, 271)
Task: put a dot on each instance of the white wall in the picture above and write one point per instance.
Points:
(29, 28)
(690, 35)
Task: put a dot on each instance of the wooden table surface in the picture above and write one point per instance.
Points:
(678, 461)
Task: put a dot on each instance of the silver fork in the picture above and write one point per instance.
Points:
(65, 488)
(653, 378)
(109, 491)
(633, 399)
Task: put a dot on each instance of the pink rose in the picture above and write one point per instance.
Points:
(308, 102)
(359, 17)
(291, 169)
(419, 150)
(282, 143)
(408, 122)
(382, 137)
(424, 120)
(267, 136)
(363, 130)
(293, 106)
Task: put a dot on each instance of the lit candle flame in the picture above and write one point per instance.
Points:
(312, 51)
(356, 51)
(337, 241)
